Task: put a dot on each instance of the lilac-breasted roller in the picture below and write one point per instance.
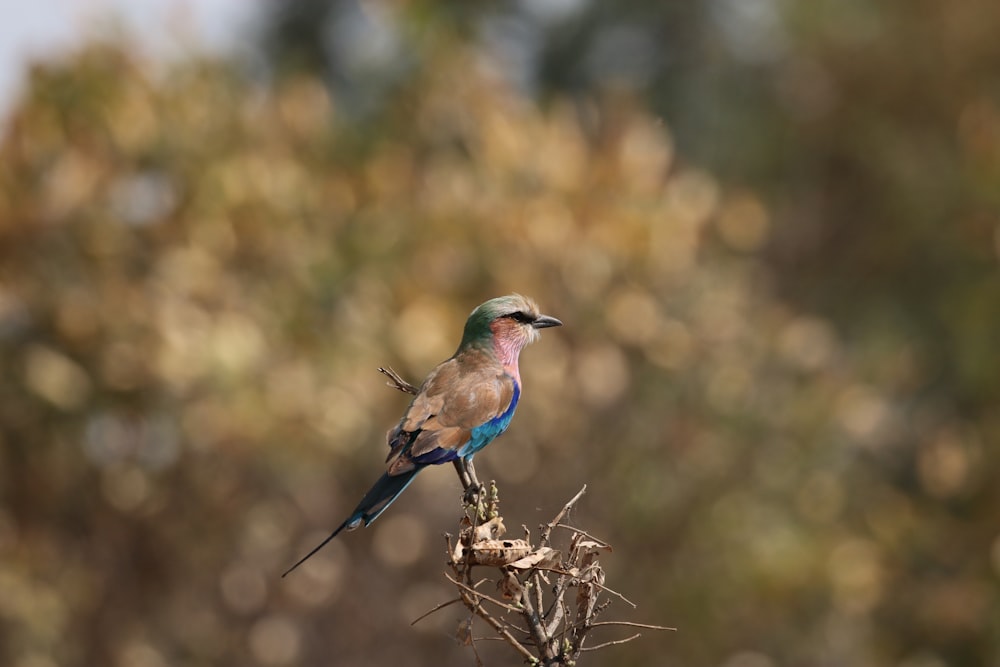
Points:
(466, 402)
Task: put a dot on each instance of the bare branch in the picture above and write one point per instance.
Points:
(555, 629)
(617, 595)
(547, 530)
(604, 588)
(437, 608)
(629, 624)
(612, 643)
(536, 580)
(505, 634)
(556, 615)
(537, 630)
(484, 596)
(584, 533)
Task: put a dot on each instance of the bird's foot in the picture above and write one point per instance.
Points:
(483, 499)
(474, 493)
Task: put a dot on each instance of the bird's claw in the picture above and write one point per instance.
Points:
(473, 493)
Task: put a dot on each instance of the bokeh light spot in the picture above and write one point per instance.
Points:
(821, 498)
(55, 377)
(748, 659)
(602, 374)
(944, 464)
(807, 343)
(275, 640)
(140, 654)
(856, 575)
(243, 588)
(125, 488)
(400, 540)
(744, 223)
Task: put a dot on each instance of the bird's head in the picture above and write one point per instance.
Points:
(508, 323)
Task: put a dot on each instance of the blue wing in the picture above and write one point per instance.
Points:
(484, 434)
(463, 405)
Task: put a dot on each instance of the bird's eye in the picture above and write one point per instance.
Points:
(521, 317)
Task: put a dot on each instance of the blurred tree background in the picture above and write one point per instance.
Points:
(771, 229)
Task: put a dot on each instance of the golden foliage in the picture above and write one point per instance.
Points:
(199, 277)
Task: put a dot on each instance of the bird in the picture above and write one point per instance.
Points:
(462, 406)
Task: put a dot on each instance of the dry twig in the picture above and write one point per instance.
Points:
(397, 382)
(554, 627)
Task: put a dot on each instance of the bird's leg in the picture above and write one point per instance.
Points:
(471, 470)
(462, 474)
(467, 474)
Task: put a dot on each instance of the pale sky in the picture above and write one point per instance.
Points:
(38, 28)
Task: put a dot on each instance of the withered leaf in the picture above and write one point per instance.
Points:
(509, 587)
(545, 556)
(497, 552)
(491, 530)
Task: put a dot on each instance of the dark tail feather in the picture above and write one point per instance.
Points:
(320, 546)
(378, 498)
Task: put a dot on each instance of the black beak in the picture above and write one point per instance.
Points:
(544, 321)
